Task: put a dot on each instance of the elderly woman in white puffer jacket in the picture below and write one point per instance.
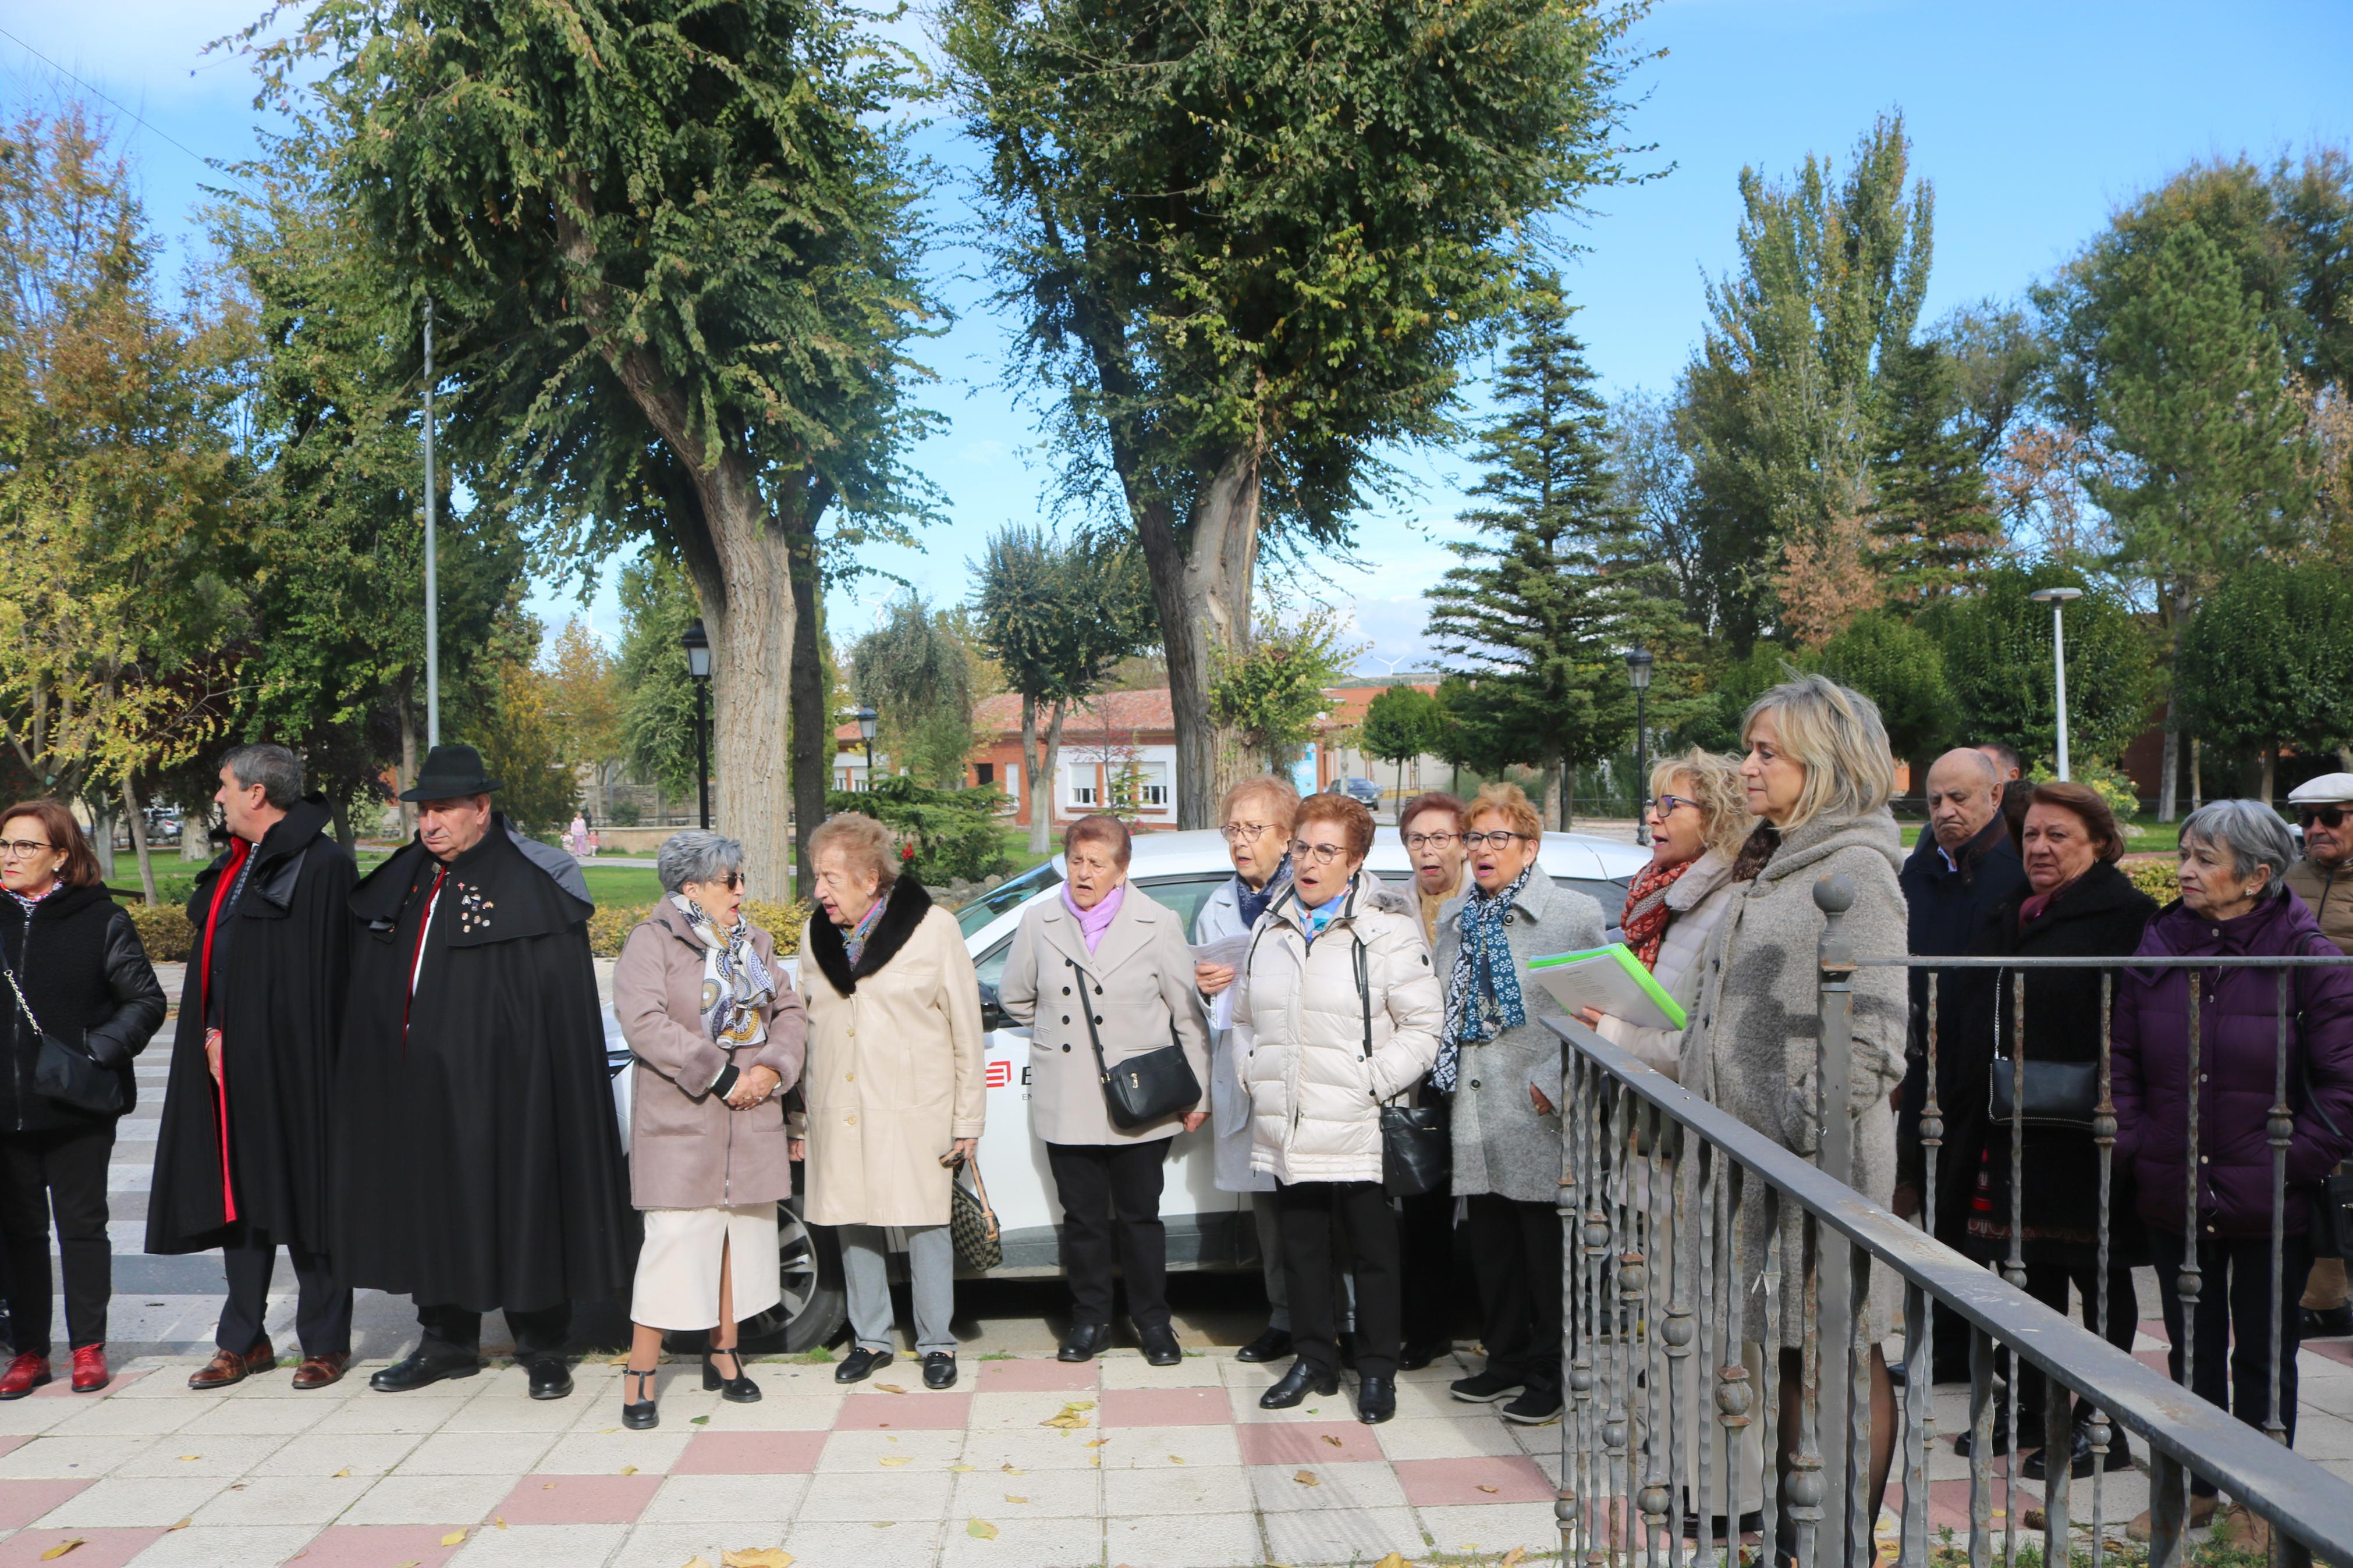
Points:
(1344, 1010)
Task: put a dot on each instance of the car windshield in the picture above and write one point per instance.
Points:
(1005, 896)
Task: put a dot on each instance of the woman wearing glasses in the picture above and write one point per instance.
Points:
(1502, 1067)
(1343, 1012)
(717, 1031)
(74, 964)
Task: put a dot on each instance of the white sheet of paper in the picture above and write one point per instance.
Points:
(1225, 951)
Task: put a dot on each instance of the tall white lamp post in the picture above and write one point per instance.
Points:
(2057, 599)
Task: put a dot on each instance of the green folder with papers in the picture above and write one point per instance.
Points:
(1611, 979)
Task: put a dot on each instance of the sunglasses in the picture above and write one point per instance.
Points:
(2323, 815)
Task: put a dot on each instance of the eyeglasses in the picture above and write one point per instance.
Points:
(1316, 854)
(2322, 815)
(1668, 805)
(1244, 832)
(19, 847)
(1500, 839)
(1430, 840)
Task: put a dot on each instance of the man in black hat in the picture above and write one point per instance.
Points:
(241, 1160)
(479, 1160)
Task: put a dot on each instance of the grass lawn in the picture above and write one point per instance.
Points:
(1016, 843)
(174, 878)
(2153, 837)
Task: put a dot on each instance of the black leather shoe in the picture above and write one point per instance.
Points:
(550, 1377)
(939, 1370)
(1414, 1357)
(640, 1415)
(2328, 1322)
(860, 1364)
(2081, 1459)
(417, 1369)
(1160, 1347)
(1751, 1524)
(1967, 1440)
(1084, 1342)
(1375, 1398)
(1296, 1385)
(737, 1389)
(1271, 1345)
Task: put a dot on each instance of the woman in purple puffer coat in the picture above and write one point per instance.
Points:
(2233, 902)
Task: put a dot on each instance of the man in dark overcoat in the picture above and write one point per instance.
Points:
(478, 1157)
(241, 1153)
(1964, 868)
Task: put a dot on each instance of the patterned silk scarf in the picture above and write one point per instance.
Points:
(1483, 994)
(1647, 914)
(854, 940)
(736, 986)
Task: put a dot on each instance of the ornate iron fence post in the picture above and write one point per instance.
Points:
(1842, 1417)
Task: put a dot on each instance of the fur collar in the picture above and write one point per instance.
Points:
(903, 909)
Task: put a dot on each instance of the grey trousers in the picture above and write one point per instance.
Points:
(1269, 1224)
(866, 1277)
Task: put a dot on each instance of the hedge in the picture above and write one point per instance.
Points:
(2155, 877)
(610, 926)
(163, 930)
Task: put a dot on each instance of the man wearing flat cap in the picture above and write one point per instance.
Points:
(2323, 879)
(479, 1161)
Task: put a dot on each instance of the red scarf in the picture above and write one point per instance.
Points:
(238, 850)
(1646, 909)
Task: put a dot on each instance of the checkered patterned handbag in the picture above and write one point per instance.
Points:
(972, 1224)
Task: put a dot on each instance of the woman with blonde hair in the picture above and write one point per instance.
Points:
(1818, 775)
(1698, 814)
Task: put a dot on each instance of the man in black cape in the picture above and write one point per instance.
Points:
(477, 1158)
(241, 1153)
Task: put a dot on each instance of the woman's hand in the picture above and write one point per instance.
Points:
(1193, 1120)
(1589, 1016)
(752, 1086)
(1537, 1096)
(961, 1149)
(1211, 978)
(796, 1149)
(213, 1054)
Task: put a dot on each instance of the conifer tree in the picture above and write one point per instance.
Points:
(1935, 523)
(1553, 586)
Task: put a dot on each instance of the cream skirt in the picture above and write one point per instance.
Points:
(678, 1271)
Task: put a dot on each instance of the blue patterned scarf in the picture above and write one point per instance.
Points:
(1482, 993)
(1250, 904)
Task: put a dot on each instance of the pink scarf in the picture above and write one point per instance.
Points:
(1094, 922)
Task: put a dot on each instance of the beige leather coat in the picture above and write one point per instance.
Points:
(1140, 981)
(897, 1071)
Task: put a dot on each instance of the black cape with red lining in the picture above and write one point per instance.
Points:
(278, 988)
(477, 1158)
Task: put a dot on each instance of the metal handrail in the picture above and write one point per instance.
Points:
(2310, 1502)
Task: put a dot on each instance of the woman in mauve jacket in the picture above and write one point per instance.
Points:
(2233, 902)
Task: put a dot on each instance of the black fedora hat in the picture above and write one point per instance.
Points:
(450, 772)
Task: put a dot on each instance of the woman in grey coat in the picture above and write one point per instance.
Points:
(1103, 966)
(1502, 1067)
(1818, 775)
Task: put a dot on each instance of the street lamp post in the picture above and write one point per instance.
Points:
(1638, 670)
(866, 718)
(2057, 599)
(698, 666)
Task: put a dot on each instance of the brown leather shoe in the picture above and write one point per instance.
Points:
(318, 1371)
(227, 1368)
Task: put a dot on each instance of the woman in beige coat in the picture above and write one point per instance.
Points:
(896, 1089)
(717, 1031)
(1342, 1012)
(1123, 958)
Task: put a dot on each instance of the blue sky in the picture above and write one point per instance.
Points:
(2032, 122)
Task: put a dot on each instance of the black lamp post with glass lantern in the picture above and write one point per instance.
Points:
(698, 666)
(867, 719)
(1638, 671)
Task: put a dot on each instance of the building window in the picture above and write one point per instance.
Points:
(983, 774)
(1155, 795)
(1082, 792)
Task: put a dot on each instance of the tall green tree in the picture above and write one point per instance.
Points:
(1898, 666)
(1399, 725)
(672, 246)
(915, 670)
(1781, 408)
(1552, 587)
(658, 710)
(2268, 662)
(1057, 616)
(1247, 244)
(1933, 525)
(1272, 696)
(1997, 661)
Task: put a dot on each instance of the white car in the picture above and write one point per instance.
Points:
(1206, 1228)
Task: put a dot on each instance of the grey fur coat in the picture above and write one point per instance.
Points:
(1501, 1144)
(1753, 1039)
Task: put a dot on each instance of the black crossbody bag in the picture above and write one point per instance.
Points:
(66, 1073)
(1416, 1148)
(1146, 1087)
(2058, 1094)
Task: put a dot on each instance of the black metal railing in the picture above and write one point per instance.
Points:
(1692, 1239)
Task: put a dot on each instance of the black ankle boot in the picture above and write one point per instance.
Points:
(640, 1413)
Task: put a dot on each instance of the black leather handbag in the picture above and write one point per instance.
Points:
(1147, 1086)
(2058, 1094)
(66, 1073)
(1416, 1145)
(2331, 1226)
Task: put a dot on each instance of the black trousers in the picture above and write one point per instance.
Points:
(322, 1311)
(2232, 1334)
(2048, 1283)
(1310, 1212)
(1426, 1256)
(539, 1332)
(59, 1170)
(1515, 1253)
(1111, 1197)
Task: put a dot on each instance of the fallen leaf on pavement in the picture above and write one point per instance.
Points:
(455, 1538)
(1010, 1470)
(1307, 1479)
(889, 1388)
(981, 1530)
(959, 1469)
(1071, 1417)
(628, 1470)
(757, 1557)
(1098, 1442)
(186, 1458)
(1489, 1489)
(61, 1548)
(1393, 1560)
(897, 1459)
(1337, 1444)
(1511, 1558)
(182, 1524)
(1175, 1460)
(1011, 1498)
(698, 1420)
(498, 1519)
(694, 1563)
(340, 1474)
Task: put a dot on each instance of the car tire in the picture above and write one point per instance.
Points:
(813, 1305)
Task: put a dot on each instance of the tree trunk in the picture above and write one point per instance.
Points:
(342, 814)
(2196, 772)
(408, 766)
(1568, 798)
(2169, 782)
(1201, 590)
(2270, 770)
(101, 832)
(195, 842)
(813, 727)
(1042, 796)
(139, 841)
(1554, 806)
(1039, 839)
